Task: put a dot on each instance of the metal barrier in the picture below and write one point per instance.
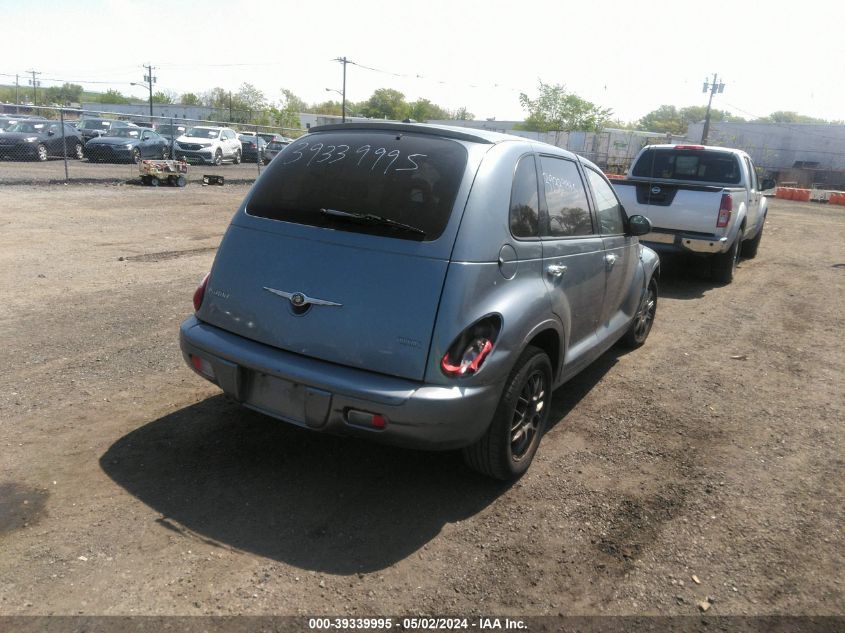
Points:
(60, 145)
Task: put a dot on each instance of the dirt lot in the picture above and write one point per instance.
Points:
(128, 485)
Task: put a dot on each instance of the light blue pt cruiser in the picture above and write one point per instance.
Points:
(421, 285)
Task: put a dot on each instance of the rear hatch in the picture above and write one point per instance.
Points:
(341, 249)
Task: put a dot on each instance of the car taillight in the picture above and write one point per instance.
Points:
(469, 351)
(696, 147)
(725, 208)
(199, 293)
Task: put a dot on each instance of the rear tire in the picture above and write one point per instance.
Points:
(180, 181)
(507, 448)
(154, 182)
(643, 320)
(749, 248)
(723, 265)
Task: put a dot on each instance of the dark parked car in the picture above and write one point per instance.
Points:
(92, 128)
(39, 139)
(8, 120)
(254, 148)
(275, 138)
(127, 144)
(172, 132)
(273, 148)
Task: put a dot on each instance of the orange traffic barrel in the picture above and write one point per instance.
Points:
(801, 195)
(780, 192)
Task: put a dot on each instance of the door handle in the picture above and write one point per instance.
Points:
(611, 260)
(557, 270)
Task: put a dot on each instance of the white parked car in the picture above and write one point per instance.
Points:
(209, 145)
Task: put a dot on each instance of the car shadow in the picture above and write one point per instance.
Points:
(685, 277)
(232, 477)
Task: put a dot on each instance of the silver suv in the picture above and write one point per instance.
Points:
(209, 145)
(421, 285)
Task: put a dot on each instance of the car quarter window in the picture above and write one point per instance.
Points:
(566, 198)
(607, 205)
(525, 198)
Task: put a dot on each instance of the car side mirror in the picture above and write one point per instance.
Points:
(51, 133)
(639, 225)
(768, 183)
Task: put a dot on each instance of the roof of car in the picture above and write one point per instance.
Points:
(449, 131)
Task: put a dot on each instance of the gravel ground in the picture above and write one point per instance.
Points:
(706, 467)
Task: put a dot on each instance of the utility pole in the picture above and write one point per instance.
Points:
(150, 81)
(230, 106)
(17, 98)
(35, 83)
(713, 88)
(343, 61)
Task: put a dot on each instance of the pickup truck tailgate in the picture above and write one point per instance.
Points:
(678, 207)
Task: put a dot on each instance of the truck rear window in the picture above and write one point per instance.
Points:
(699, 165)
(325, 177)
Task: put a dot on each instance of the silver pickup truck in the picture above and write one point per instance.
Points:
(702, 200)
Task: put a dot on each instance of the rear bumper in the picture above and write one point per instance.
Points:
(680, 242)
(319, 395)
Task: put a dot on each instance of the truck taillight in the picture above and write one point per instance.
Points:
(725, 208)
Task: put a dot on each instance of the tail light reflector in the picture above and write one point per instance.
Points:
(725, 209)
(366, 419)
(199, 293)
(202, 366)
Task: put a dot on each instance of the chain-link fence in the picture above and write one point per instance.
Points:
(57, 145)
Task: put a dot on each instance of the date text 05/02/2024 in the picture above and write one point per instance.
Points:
(417, 624)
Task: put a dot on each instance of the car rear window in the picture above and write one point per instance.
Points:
(700, 165)
(406, 178)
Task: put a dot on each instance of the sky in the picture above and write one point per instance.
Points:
(629, 56)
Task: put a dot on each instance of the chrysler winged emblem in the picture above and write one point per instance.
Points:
(300, 299)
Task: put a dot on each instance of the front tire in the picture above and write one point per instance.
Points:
(79, 151)
(218, 157)
(723, 266)
(41, 153)
(507, 448)
(136, 155)
(237, 159)
(643, 320)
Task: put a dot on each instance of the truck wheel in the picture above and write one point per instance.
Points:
(723, 265)
(643, 320)
(180, 181)
(154, 182)
(749, 248)
(507, 448)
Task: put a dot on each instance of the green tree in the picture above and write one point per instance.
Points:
(461, 114)
(668, 118)
(555, 109)
(386, 103)
(424, 110)
(251, 97)
(67, 93)
(786, 116)
(189, 98)
(113, 96)
(163, 97)
(287, 114)
(334, 108)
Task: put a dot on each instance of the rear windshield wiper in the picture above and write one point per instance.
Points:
(371, 218)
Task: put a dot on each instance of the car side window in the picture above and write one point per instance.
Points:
(146, 136)
(566, 198)
(525, 197)
(607, 205)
